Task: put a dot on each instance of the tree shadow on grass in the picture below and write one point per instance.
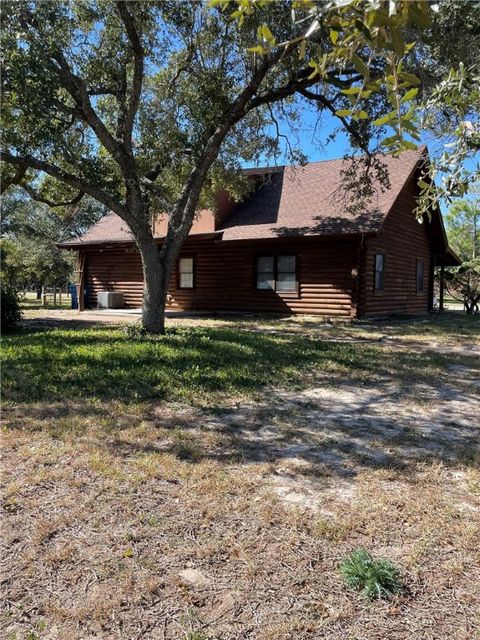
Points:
(348, 406)
(327, 431)
(104, 364)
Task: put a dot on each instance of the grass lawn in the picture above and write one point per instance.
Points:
(207, 484)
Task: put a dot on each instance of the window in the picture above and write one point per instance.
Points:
(379, 271)
(185, 273)
(420, 275)
(277, 273)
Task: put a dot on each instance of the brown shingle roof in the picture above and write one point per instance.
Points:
(307, 201)
(293, 201)
(110, 228)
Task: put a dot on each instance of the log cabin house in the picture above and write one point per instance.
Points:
(289, 247)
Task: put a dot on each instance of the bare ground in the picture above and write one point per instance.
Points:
(230, 521)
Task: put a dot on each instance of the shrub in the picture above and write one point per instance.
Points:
(10, 313)
(373, 578)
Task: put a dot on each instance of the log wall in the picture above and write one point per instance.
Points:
(326, 269)
(403, 241)
(225, 276)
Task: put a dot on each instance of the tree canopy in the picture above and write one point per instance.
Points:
(463, 227)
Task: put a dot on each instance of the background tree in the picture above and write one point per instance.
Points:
(463, 227)
(152, 107)
(30, 232)
(447, 61)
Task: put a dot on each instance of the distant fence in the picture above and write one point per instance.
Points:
(49, 296)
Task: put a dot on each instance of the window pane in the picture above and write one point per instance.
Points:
(186, 280)
(420, 273)
(286, 264)
(379, 271)
(186, 265)
(265, 264)
(286, 282)
(379, 262)
(265, 281)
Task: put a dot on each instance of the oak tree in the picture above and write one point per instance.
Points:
(151, 107)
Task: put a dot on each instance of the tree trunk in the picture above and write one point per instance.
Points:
(39, 292)
(156, 276)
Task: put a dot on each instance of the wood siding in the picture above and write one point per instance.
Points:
(327, 271)
(403, 240)
(225, 276)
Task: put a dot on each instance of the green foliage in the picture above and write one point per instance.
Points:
(373, 578)
(135, 331)
(10, 311)
(447, 57)
(463, 228)
(412, 57)
(368, 36)
(30, 233)
(195, 63)
(463, 283)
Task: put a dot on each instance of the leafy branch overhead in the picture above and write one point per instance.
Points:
(385, 43)
(365, 41)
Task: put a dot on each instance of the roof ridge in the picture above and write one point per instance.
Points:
(419, 151)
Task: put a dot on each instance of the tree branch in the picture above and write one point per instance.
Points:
(29, 162)
(102, 91)
(77, 88)
(302, 81)
(35, 195)
(279, 134)
(138, 67)
(325, 102)
(186, 204)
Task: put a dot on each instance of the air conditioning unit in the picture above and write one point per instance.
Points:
(109, 299)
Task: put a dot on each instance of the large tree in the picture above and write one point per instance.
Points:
(463, 226)
(151, 107)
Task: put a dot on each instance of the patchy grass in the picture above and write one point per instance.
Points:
(194, 364)
(208, 484)
(186, 363)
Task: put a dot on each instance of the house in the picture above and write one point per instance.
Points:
(290, 247)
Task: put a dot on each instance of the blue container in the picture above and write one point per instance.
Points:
(72, 290)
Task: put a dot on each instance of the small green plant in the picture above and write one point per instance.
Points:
(374, 578)
(135, 331)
